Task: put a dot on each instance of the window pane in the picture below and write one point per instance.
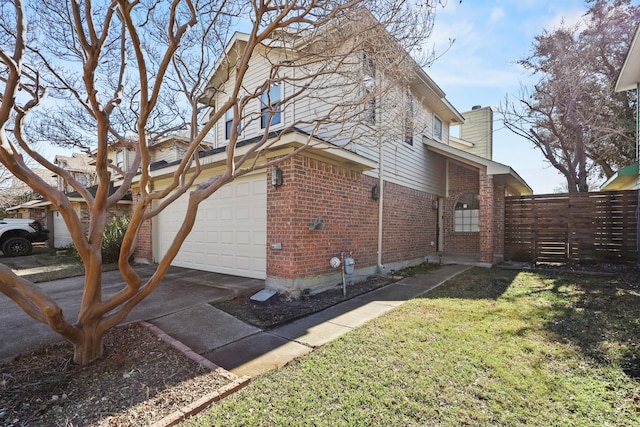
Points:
(437, 128)
(467, 213)
(270, 107)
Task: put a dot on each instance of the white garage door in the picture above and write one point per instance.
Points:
(61, 236)
(230, 232)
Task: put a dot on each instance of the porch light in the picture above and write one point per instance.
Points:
(276, 177)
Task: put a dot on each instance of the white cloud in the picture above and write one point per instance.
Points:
(497, 14)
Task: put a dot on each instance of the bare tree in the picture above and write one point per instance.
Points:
(127, 72)
(573, 115)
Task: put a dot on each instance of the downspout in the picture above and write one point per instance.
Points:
(637, 122)
(380, 267)
(638, 190)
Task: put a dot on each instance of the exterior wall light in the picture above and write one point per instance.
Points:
(375, 192)
(276, 177)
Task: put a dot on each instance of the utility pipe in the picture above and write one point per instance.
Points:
(380, 204)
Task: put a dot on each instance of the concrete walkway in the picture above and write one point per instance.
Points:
(247, 350)
(180, 290)
(180, 308)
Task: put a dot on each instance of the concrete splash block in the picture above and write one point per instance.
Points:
(265, 296)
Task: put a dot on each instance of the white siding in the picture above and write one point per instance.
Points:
(411, 166)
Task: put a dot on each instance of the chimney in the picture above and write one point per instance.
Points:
(478, 129)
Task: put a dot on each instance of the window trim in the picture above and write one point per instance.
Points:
(466, 219)
(120, 162)
(228, 122)
(408, 118)
(437, 136)
(271, 106)
(368, 89)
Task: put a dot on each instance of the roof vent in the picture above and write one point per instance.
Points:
(476, 107)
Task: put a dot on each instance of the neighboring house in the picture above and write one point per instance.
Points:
(79, 166)
(22, 202)
(163, 150)
(628, 177)
(437, 198)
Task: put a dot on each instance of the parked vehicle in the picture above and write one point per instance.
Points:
(18, 235)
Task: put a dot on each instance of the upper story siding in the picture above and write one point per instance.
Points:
(404, 161)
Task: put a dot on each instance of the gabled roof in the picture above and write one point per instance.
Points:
(77, 162)
(421, 82)
(506, 173)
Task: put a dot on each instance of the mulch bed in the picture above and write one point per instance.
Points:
(284, 309)
(140, 380)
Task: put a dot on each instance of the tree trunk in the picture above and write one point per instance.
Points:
(91, 347)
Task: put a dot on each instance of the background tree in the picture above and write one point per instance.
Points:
(573, 114)
(92, 74)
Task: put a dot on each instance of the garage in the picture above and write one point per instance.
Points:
(61, 236)
(230, 232)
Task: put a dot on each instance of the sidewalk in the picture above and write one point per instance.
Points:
(247, 350)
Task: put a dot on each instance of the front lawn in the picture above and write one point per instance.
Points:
(489, 347)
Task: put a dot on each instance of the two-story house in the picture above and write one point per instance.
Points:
(383, 186)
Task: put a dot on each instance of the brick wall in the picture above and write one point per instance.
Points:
(409, 223)
(499, 198)
(313, 188)
(342, 197)
(143, 243)
(462, 180)
(486, 218)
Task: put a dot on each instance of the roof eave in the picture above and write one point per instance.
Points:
(629, 76)
(511, 177)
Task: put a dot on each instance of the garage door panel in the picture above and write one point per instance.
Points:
(61, 235)
(229, 235)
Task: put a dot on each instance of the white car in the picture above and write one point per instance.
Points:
(17, 235)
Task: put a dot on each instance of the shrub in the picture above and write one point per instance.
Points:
(112, 238)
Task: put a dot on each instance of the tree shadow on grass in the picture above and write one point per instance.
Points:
(598, 315)
(601, 316)
(476, 283)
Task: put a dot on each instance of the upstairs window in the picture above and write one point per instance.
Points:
(467, 213)
(408, 119)
(270, 113)
(82, 180)
(437, 129)
(228, 123)
(368, 86)
(120, 159)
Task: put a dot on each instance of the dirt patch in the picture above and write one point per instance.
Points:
(283, 309)
(132, 385)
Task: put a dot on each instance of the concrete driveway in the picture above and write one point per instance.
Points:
(181, 288)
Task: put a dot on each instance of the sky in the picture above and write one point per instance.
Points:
(481, 67)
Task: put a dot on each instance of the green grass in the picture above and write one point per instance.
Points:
(490, 347)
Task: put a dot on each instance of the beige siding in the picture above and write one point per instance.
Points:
(408, 165)
(478, 129)
(168, 152)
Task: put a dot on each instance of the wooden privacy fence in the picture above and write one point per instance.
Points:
(572, 228)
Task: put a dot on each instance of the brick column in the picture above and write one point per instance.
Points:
(486, 218)
(499, 195)
(143, 251)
